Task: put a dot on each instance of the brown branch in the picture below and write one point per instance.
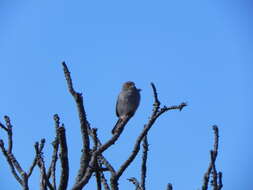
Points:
(55, 144)
(63, 158)
(9, 131)
(101, 158)
(214, 171)
(217, 185)
(40, 163)
(104, 181)
(97, 168)
(134, 181)
(44, 181)
(157, 103)
(155, 114)
(144, 161)
(98, 177)
(13, 171)
(35, 160)
(98, 152)
(12, 161)
(84, 125)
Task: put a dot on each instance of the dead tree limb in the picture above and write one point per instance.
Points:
(216, 178)
(144, 162)
(63, 158)
(17, 171)
(136, 183)
(55, 144)
(84, 125)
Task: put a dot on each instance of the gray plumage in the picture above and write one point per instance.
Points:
(127, 102)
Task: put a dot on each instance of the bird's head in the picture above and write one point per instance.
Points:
(129, 85)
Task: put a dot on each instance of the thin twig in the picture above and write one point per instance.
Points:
(34, 161)
(9, 131)
(212, 167)
(144, 161)
(157, 103)
(44, 181)
(13, 171)
(97, 168)
(101, 157)
(136, 183)
(55, 144)
(104, 181)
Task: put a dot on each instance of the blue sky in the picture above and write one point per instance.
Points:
(194, 51)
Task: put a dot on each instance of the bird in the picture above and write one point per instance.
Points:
(127, 102)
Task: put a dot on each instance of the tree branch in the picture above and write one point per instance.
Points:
(104, 181)
(144, 161)
(98, 152)
(136, 183)
(217, 185)
(55, 144)
(13, 163)
(63, 158)
(13, 171)
(84, 125)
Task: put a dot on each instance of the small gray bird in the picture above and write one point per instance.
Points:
(128, 102)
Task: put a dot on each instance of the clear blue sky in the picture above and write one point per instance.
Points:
(199, 51)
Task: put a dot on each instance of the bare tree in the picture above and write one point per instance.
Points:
(92, 160)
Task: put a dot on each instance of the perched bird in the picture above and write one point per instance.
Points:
(127, 102)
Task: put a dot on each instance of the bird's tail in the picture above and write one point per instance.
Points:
(115, 126)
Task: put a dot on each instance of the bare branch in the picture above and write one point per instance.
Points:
(9, 131)
(97, 168)
(214, 171)
(136, 183)
(84, 125)
(212, 167)
(101, 158)
(98, 152)
(144, 161)
(13, 171)
(98, 177)
(55, 144)
(13, 163)
(34, 161)
(157, 103)
(44, 181)
(104, 181)
(64, 158)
